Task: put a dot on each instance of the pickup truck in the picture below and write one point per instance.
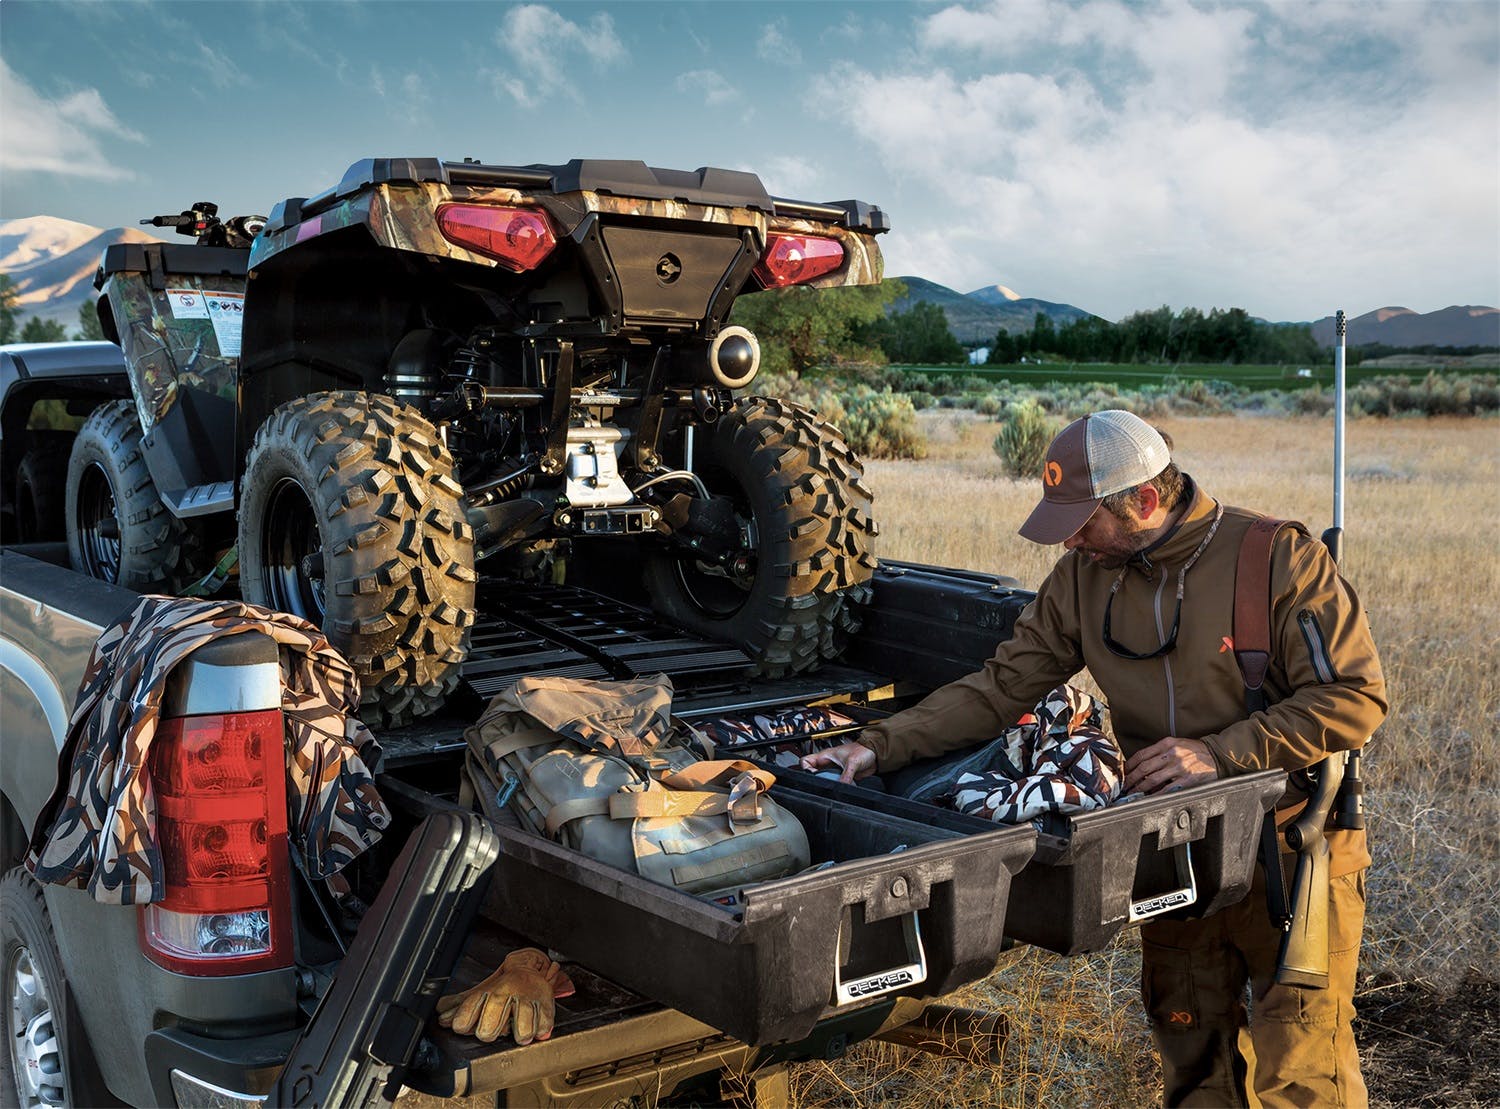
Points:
(677, 997)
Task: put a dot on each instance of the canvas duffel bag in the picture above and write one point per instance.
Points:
(601, 768)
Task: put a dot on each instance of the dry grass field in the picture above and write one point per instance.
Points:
(1423, 550)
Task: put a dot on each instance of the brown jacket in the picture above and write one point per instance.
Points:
(1325, 682)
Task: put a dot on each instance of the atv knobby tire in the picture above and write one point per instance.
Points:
(118, 528)
(41, 504)
(350, 517)
(797, 483)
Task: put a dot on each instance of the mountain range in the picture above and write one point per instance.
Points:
(1459, 325)
(975, 317)
(52, 263)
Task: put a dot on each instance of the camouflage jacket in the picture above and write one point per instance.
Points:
(98, 830)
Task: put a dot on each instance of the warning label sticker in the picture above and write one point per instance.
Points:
(227, 312)
(188, 304)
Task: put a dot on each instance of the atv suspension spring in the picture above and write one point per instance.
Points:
(503, 488)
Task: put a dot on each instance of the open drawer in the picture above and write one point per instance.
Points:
(890, 907)
(1189, 852)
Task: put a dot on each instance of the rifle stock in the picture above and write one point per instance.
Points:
(1303, 959)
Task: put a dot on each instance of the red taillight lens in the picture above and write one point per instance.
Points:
(793, 259)
(220, 788)
(518, 238)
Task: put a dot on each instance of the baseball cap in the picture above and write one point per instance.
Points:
(1092, 457)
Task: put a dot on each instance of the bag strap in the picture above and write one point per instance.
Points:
(1251, 630)
(730, 786)
(719, 774)
(522, 739)
(1251, 638)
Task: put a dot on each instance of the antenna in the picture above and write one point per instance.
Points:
(1340, 328)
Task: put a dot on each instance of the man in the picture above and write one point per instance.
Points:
(1143, 597)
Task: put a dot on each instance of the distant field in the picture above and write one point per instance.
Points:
(1246, 376)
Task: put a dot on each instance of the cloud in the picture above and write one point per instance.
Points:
(788, 176)
(1125, 155)
(545, 49)
(708, 84)
(776, 47)
(407, 98)
(59, 136)
(219, 67)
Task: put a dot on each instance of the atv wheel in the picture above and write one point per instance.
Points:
(803, 506)
(41, 506)
(350, 518)
(119, 530)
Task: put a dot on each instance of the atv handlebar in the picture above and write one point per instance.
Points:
(202, 221)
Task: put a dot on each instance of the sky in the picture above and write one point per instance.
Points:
(1288, 159)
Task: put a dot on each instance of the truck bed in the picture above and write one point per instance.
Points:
(613, 1037)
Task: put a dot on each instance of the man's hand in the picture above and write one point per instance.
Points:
(1169, 762)
(852, 760)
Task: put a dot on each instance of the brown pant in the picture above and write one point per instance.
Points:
(1295, 1047)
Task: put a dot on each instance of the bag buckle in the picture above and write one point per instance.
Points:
(744, 800)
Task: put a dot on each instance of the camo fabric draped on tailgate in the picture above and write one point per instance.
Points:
(98, 830)
(1055, 759)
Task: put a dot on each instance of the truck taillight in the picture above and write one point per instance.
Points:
(220, 785)
(518, 238)
(793, 259)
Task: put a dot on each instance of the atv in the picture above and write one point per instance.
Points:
(437, 371)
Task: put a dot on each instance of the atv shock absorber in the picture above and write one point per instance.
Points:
(415, 373)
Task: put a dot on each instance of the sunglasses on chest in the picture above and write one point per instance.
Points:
(1170, 643)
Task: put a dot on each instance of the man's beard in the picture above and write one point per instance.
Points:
(1125, 547)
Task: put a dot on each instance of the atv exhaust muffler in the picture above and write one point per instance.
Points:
(734, 357)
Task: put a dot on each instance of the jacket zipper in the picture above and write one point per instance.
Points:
(1166, 660)
(1317, 649)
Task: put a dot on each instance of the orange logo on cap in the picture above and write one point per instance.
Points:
(1180, 1016)
(1052, 475)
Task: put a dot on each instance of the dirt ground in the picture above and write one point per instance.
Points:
(1421, 1047)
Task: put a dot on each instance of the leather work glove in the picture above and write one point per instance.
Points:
(521, 992)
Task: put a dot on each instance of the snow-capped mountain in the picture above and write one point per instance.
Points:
(52, 262)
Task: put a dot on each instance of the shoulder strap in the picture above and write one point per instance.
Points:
(1251, 633)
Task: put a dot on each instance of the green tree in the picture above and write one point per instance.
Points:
(801, 327)
(38, 330)
(919, 335)
(1004, 349)
(10, 318)
(1043, 335)
(88, 323)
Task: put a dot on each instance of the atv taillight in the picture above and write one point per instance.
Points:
(220, 785)
(518, 238)
(793, 259)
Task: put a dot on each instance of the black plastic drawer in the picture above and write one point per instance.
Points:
(767, 970)
(932, 625)
(1096, 873)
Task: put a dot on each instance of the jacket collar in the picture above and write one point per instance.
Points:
(1178, 544)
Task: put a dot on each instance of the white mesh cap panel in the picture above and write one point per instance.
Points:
(1123, 451)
